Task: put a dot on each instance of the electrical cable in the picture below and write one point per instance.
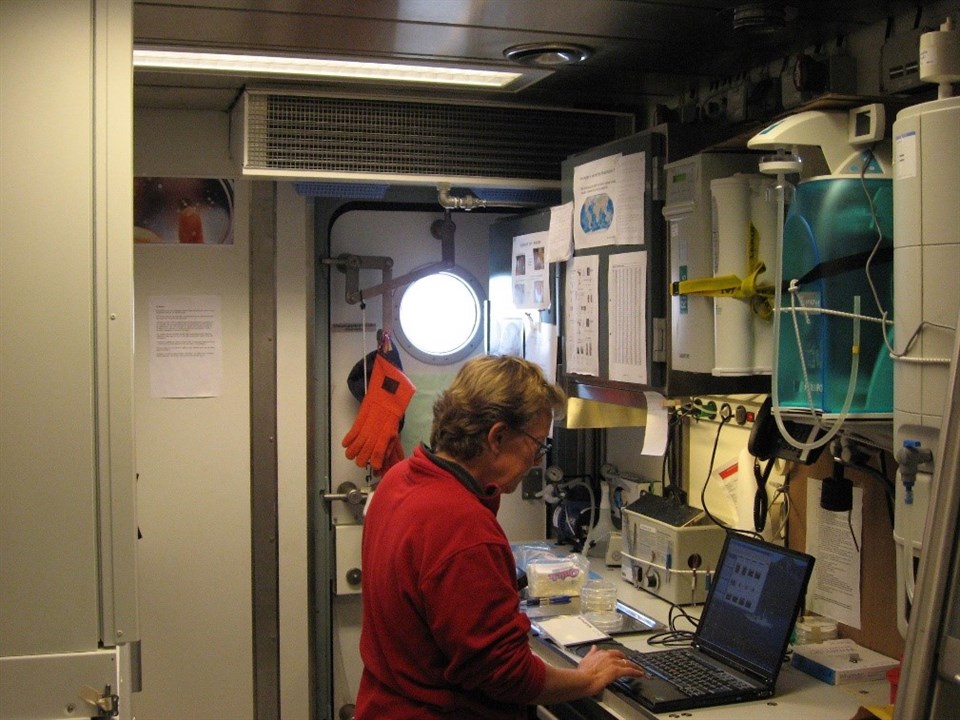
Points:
(673, 636)
(886, 483)
(853, 535)
(761, 507)
(783, 496)
(703, 490)
(666, 456)
(670, 468)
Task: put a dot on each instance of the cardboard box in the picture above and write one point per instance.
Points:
(841, 661)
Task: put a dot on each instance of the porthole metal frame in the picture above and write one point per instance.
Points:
(469, 348)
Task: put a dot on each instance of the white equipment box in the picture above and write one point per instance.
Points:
(671, 550)
(689, 212)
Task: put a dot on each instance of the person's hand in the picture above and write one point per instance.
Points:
(605, 666)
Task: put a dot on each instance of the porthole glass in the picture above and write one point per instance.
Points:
(439, 317)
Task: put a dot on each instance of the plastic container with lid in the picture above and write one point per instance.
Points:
(598, 603)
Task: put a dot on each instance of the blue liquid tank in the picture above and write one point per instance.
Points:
(835, 274)
(837, 239)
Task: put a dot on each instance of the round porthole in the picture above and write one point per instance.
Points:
(439, 317)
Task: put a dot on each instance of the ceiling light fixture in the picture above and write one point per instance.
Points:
(324, 68)
(547, 55)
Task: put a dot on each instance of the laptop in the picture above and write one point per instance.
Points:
(754, 600)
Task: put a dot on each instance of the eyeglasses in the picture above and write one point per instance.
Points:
(542, 447)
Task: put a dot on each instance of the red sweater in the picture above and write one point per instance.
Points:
(442, 635)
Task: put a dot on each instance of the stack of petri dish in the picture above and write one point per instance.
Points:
(598, 604)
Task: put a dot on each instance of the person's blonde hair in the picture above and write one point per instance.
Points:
(486, 390)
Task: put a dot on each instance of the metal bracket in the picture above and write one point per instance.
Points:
(106, 703)
(351, 265)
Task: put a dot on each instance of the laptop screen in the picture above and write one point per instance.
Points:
(753, 603)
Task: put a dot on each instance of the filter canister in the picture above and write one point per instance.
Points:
(733, 318)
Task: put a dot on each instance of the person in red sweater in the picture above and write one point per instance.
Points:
(442, 634)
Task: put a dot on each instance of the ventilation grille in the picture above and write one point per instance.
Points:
(410, 141)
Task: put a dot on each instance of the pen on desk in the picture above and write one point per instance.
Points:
(554, 600)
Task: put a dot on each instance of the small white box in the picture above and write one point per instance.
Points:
(841, 661)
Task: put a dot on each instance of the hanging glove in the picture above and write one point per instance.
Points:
(378, 421)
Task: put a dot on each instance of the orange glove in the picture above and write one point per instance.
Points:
(374, 438)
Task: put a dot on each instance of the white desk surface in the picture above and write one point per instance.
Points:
(798, 696)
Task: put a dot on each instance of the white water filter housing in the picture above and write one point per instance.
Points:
(733, 318)
(763, 216)
(940, 58)
(926, 199)
(688, 212)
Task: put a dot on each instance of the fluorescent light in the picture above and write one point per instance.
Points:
(349, 69)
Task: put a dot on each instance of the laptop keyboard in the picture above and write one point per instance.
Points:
(687, 672)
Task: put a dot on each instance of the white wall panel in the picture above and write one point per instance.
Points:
(194, 456)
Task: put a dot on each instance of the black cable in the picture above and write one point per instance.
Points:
(853, 535)
(881, 477)
(703, 490)
(674, 636)
(671, 638)
(886, 483)
(663, 465)
(761, 506)
(676, 469)
(783, 495)
(672, 618)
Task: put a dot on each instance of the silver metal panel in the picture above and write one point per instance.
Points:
(48, 687)
(113, 317)
(48, 496)
(263, 451)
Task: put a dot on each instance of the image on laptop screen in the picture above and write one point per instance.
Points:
(754, 602)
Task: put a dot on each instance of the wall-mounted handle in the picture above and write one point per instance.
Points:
(349, 493)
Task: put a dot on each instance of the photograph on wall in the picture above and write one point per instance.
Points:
(182, 211)
(531, 287)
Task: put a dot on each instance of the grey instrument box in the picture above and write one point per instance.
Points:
(668, 549)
